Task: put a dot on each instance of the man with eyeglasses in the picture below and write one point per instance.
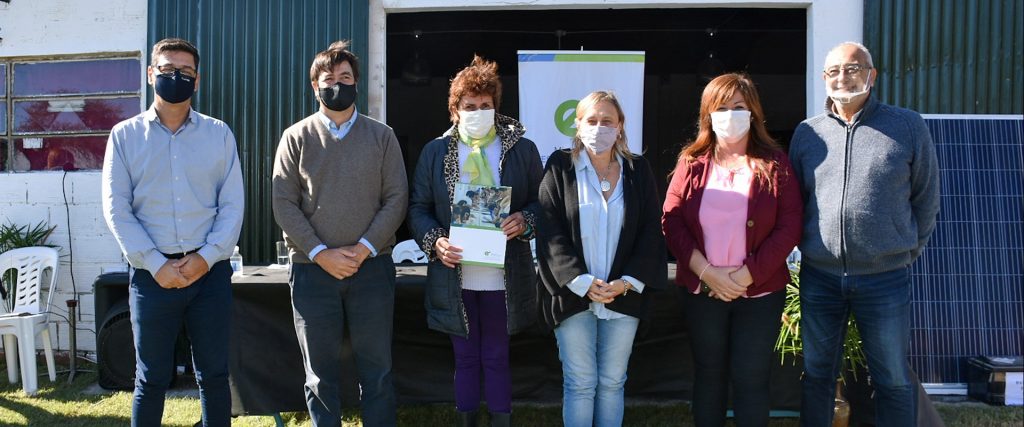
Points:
(173, 198)
(869, 178)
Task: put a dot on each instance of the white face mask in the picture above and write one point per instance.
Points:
(597, 139)
(730, 125)
(476, 124)
(846, 97)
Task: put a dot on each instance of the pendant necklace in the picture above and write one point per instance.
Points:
(605, 184)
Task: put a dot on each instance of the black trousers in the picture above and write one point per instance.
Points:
(733, 344)
(323, 307)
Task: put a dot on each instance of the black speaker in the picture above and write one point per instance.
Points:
(115, 349)
(115, 344)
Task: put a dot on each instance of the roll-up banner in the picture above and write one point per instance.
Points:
(552, 82)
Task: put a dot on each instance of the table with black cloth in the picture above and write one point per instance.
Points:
(267, 375)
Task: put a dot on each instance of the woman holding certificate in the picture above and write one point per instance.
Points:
(732, 214)
(484, 168)
(601, 254)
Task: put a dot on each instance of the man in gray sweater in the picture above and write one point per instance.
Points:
(339, 194)
(870, 181)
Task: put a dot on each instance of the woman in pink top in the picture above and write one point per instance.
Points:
(731, 216)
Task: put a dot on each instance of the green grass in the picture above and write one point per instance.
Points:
(980, 414)
(65, 405)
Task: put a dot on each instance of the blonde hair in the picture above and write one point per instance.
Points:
(589, 102)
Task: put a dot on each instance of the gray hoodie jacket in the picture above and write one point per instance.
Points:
(870, 188)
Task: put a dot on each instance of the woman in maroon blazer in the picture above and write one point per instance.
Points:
(731, 216)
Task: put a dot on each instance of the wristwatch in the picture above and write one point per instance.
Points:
(625, 287)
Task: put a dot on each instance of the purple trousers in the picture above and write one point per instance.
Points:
(486, 351)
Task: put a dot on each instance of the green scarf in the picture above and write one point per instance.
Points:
(476, 163)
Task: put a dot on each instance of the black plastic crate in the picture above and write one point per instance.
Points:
(987, 377)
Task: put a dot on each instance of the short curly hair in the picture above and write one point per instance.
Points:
(478, 79)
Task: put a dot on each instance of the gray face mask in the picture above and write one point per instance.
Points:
(598, 139)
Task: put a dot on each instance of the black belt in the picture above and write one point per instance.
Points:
(180, 255)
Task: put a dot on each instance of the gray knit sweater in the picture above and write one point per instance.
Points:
(335, 192)
(871, 189)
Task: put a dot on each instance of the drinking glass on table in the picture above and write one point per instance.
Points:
(282, 253)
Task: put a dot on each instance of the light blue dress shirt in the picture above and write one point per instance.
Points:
(340, 132)
(600, 227)
(172, 192)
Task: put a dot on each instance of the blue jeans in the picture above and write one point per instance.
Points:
(880, 304)
(595, 355)
(322, 306)
(157, 315)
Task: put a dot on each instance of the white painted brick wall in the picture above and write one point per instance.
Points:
(41, 28)
(37, 197)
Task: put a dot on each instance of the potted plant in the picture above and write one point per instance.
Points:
(790, 346)
(13, 237)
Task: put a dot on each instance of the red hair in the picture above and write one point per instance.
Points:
(761, 148)
(480, 78)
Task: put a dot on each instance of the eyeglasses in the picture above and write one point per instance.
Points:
(169, 69)
(850, 69)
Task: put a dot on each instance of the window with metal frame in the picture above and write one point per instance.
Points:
(58, 112)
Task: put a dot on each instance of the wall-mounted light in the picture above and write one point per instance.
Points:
(416, 71)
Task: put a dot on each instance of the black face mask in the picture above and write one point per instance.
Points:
(175, 88)
(338, 97)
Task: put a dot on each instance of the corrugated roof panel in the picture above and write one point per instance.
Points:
(254, 66)
(948, 57)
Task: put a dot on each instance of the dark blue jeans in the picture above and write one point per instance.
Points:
(157, 315)
(322, 306)
(880, 304)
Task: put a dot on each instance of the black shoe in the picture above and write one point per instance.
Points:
(467, 419)
(501, 419)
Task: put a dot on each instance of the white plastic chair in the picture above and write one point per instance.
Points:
(408, 250)
(29, 316)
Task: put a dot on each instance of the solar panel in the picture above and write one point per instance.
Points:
(968, 285)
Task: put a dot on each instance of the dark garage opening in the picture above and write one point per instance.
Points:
(684, 48)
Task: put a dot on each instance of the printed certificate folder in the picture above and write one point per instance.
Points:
(477, 213)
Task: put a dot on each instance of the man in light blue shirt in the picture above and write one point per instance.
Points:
(173, 198)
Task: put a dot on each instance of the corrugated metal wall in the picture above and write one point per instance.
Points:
(254, 66)
(948, 56)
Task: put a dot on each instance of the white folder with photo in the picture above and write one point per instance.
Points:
(477, 213)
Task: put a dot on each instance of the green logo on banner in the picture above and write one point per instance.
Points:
(565, 117)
